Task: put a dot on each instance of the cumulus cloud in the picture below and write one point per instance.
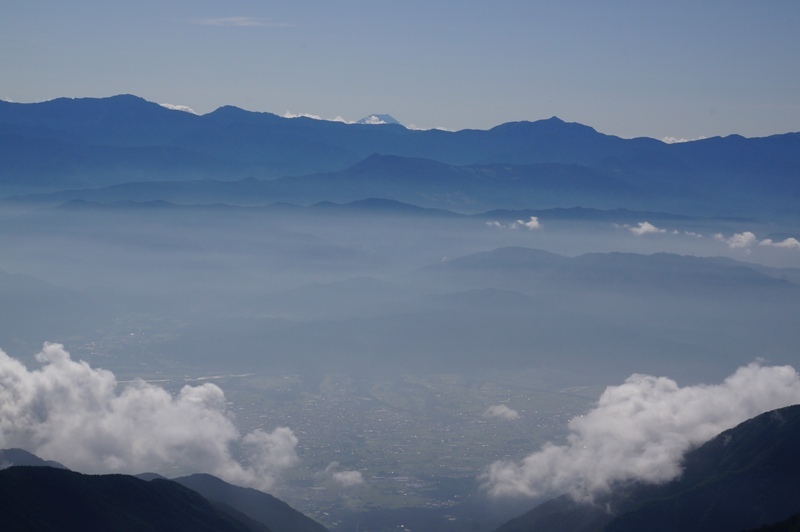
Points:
(748, 239)
(184, 108)
(501, 411)
(739, 240)
(645, 228)
(348, 478)
(531, 224)
(788, 243)
(640, 430)
(78, 415)
(345, 479)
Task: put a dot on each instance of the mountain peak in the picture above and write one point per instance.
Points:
(378, 119)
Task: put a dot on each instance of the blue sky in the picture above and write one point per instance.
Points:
(628, 68)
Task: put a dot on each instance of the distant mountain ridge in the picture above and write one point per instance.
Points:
(21, 457)
(422, 182)
(70, 143)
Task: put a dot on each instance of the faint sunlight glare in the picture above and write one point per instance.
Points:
(640, 430)
(75, 414)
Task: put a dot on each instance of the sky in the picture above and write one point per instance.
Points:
(680, 70)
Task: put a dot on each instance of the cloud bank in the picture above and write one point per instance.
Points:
(78, 415)
(640, 430)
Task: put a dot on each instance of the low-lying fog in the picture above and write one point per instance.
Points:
(380, 311)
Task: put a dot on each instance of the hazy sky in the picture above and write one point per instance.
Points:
(629, 68)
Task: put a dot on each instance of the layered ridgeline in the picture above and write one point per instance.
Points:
(43, 495)
(95, 143)
(745, 478)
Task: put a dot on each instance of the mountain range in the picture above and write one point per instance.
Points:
(95, 143)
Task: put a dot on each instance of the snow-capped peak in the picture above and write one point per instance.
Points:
(378, 119)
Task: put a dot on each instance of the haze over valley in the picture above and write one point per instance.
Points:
(385, 327)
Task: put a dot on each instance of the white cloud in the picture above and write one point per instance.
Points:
(183, 108)
(645, 228)
(531, 224)
(501, 411)
(345, 479)
(739, 240)
(748, 239)
(640, 430)
(348, 478)
(240, 22)
(78, 415)
(788, 243)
